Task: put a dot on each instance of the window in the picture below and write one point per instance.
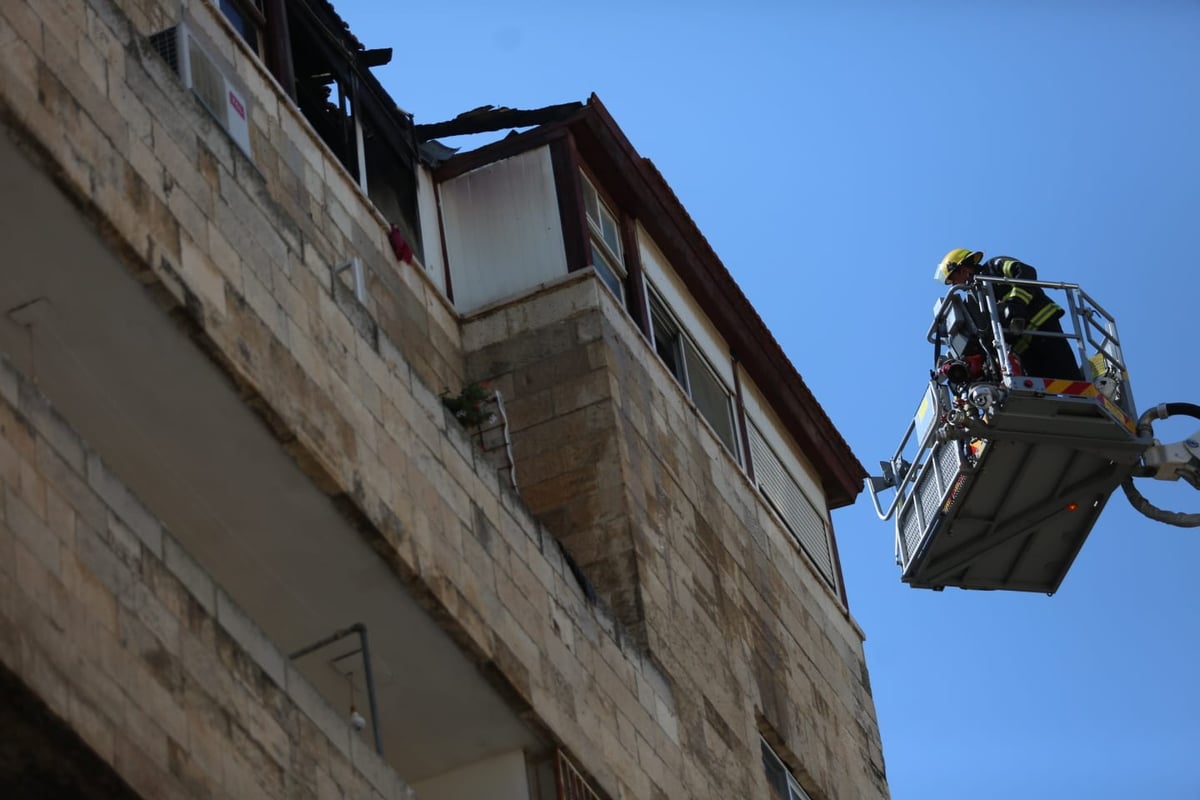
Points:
(668, 340)
(788, 500)
(326, 71)
(607, 255)
(369, 134)
(779, 778)
(683, 359)
(247, 17)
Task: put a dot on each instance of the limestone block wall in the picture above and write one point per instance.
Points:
(352, 397)
(124, 135)
(616, 462)
(244, 250)
(547, 356)
(133, 646)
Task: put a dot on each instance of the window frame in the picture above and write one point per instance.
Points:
(252, 15)
(684, 349)
(671, 338)
(608, 258)
(771, 759)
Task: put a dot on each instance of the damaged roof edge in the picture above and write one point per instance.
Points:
(489, 118)
(710, 282)
(359, 57)
(659, 210)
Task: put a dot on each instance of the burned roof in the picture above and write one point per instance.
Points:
(340, 28)
(490, 118)
(337, 41)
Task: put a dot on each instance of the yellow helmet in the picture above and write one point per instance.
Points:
(959, 257)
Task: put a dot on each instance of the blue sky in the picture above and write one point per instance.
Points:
(832, 153)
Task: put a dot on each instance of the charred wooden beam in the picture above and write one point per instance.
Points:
(375, 58)
(490, 118)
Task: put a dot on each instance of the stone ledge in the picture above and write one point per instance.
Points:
(192, 580)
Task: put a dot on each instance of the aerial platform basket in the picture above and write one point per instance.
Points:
(1010, 510)
(1000, 478)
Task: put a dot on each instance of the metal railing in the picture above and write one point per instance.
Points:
(1086, 324)
(571, 783)
(1089, 328)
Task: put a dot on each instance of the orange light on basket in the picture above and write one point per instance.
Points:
(1072, 506)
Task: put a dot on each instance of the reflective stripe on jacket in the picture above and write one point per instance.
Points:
(1029, 303)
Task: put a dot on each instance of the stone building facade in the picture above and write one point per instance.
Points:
(233, 304)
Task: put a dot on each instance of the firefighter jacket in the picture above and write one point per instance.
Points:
(1028, 303)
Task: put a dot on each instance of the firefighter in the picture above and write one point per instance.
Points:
(1023, 310)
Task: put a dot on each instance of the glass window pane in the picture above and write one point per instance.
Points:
(668, 350)
(667, 340)
(710, 397)
(797, 792)
(610, 233)
(782, 782)
(607, 274)
(245, 26)
(776, 773)
(591, 202)
(603, 221)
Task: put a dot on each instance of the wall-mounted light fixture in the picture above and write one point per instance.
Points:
(356, 719)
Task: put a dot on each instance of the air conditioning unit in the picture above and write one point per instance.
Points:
(182, 48)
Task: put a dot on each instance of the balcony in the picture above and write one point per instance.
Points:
(186, 439)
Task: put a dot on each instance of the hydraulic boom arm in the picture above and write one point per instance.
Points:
(1167, 462)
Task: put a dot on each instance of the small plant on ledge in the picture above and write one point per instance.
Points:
(473, 406)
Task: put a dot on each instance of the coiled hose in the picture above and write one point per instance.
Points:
(1136, 499)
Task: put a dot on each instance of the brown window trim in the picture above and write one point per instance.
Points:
(741, 417)
(635, 281)
(564, 161)
(631, 262)
(251, 10)
(277, 43)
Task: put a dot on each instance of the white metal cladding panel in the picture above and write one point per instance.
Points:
(804, 520)
(503, 232)
(772, 430)
(431, 237)
(679, 300)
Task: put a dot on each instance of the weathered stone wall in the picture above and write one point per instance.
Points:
(129, 642)
(245, 252)
(547, 355)
(125, 135)
(617, 463)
